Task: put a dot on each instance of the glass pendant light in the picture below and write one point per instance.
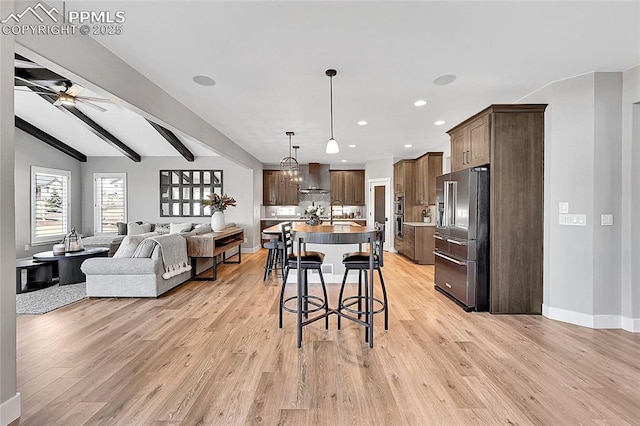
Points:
(289, 167)
(332, 145)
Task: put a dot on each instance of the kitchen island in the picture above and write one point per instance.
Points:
(332, 268)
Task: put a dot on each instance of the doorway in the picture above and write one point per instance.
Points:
(380, 207)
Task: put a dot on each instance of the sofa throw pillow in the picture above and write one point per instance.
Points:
(145, 248)
(176, 228)
(135, 229)
(128, 246)
(122, 228)
(162, 228)
(202, 228)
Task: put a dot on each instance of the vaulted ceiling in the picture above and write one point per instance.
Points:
(268, 60)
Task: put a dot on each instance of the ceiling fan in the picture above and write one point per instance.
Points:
(70, 95)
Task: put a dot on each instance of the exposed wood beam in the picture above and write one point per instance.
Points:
(96, 129)
(49, 140)
(41, 76)
(174, 141)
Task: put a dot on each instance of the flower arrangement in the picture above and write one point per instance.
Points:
(314, 210)
(219, 203)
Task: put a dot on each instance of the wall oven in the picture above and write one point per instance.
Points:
(398, 206)
(399, 222)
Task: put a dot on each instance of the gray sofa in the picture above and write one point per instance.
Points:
(127, 276)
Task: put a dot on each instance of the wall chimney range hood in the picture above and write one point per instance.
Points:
(316, 179)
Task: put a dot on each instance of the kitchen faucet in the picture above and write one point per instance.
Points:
(331, 209)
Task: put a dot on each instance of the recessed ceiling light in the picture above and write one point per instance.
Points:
(444, 80)
(352, 146)
(362, 123)
(408, 145)
(439, 122)
(420, 102)
(344, 161)
(203, 80)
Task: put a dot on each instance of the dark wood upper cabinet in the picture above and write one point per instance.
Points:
(404, 176)
(470, 145)
(347, 186)
(428, 167)
(277, 191)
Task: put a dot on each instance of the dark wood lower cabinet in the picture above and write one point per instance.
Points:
(417, 244)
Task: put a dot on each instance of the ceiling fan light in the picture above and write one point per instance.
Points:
(66, 99)
(332, 147)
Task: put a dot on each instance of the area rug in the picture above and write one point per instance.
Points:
(50, 298)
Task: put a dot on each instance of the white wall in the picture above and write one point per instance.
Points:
(9, 398)
(589, 164)
(143, 189)
(630, 185)
(32, 152)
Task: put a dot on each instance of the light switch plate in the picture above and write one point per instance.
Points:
(563, 208)
(606, 220)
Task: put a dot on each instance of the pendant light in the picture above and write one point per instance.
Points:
(332, 145)
(289, 167)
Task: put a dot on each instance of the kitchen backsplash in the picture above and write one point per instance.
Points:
(359, 212)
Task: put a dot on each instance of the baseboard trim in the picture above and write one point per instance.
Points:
(10, 410)
(592, 321)
(251, 250)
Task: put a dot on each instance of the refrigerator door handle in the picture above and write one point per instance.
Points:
(438, 237)
(450, 259)
(453, 193)
(457, 242)
(445, 219)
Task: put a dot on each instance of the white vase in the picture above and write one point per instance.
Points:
(217, 221)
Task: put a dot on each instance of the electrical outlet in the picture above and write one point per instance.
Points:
(245, 240)
(606, 220)
(26, 247)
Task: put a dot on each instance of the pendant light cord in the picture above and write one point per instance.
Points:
(331, 92)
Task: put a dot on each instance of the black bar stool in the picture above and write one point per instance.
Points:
(308, 260)
(275, 255)
(359, 261)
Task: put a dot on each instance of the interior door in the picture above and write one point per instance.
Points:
(379, 207)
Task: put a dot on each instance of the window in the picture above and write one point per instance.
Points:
(110, 201)
(50, 190)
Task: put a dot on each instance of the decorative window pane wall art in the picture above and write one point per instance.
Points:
(182, 191)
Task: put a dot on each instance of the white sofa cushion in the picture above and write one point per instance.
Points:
(135, 229)
(129, 245)
(176, 228)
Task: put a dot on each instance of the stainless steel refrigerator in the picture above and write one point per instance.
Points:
(462, 237)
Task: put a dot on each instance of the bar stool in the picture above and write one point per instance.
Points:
(308, 260)
(359, 261)
(275, 255)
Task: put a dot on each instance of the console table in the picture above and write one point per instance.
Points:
(211, 245)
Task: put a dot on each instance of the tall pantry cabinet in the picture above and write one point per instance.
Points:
(510, 139)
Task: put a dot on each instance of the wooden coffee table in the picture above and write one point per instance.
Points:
(69, 264)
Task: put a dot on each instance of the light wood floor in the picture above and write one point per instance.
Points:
(212, 353)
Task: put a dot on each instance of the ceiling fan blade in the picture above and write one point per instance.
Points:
(89, 104)
(32, 83)
(74, 90)
(37, 93)
(89, 98)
